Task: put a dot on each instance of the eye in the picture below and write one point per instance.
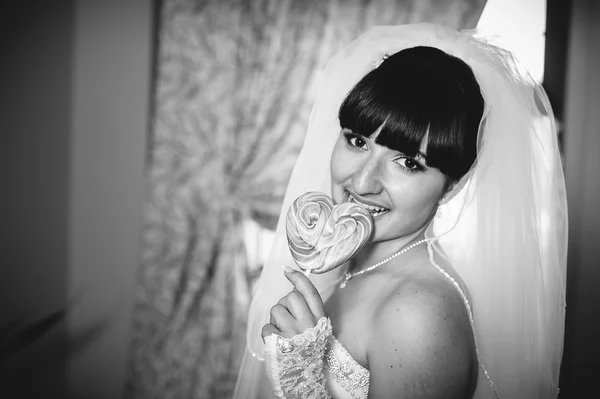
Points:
(409, 164)
(355, 140)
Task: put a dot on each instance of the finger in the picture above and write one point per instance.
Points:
(269, 329)
(308, 291)
(281, 318)
(295, 303)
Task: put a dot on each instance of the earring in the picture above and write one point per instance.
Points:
(439, 211)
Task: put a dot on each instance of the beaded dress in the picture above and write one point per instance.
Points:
(345, 377)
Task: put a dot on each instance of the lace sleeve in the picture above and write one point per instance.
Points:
(295, 366)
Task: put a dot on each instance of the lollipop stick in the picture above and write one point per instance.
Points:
(307, 272)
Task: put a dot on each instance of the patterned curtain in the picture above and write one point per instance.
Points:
(234, 86)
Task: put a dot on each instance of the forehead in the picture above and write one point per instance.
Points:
(377, 132)
(424, 142)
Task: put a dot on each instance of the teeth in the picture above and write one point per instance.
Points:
(375, 210)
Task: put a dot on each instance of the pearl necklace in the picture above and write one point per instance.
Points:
(404, 250)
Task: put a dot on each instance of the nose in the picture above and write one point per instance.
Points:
(367, 178)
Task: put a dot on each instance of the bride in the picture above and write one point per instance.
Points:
(459, 292)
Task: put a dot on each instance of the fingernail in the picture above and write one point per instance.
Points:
(287, 269)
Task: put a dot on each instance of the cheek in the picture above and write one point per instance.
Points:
(432, 194)
(337, 166)
(422, 197)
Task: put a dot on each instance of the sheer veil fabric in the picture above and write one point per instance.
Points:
(503, 228)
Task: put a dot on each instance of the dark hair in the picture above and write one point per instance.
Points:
(413, 91)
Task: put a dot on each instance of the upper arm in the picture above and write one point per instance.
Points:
(420, 347)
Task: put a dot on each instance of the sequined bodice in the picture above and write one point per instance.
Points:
(345, 377)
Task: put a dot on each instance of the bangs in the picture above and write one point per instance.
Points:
(416, 94)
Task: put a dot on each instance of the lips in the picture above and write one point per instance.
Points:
(374, 210)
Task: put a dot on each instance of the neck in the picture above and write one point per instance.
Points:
(376, 252)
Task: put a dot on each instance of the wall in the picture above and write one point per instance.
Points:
(581, 361)
(35, 106)
(75, 79)
(111, 80)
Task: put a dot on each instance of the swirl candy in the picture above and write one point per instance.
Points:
(322, 236)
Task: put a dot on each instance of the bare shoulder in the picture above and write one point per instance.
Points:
(421, 343)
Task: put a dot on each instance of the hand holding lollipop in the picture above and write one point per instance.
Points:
(321, 237)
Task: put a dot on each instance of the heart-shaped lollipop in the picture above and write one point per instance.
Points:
(322, 236)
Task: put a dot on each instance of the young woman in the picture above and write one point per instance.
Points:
(460, 291)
